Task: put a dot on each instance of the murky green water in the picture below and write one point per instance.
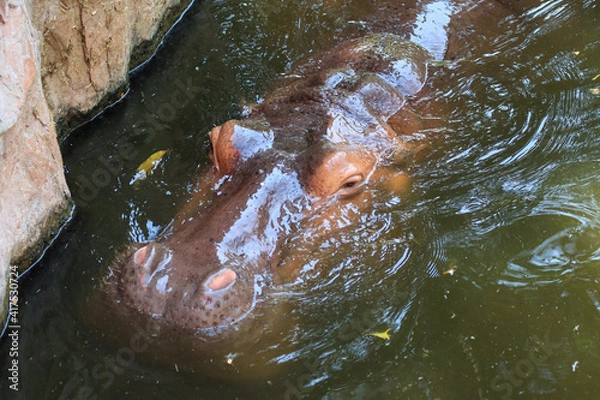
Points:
(511, 200)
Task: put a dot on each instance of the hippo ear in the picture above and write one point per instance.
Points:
(409, 151)
(412, 133)
(223, 153)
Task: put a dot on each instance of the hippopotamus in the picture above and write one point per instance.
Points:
(334, 132)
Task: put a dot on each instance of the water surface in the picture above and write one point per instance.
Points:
(510, 203)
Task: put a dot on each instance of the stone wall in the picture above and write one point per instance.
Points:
(60, 60)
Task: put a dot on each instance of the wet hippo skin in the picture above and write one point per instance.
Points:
(334, 132)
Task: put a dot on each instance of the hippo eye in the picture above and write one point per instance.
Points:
(350, 185)
(341, 173)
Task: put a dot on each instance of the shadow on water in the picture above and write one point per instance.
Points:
(510, 201)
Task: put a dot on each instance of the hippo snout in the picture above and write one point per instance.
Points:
(196, 295)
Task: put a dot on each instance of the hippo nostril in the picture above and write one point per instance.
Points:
(149, 260)
(221, 280)
(146, 257)
(141, 255)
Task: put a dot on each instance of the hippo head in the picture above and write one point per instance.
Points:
(300, 166)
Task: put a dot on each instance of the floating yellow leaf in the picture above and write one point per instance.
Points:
(576, 53)
(450, 270)
(148, 166)
(595, 91)
(596, 77)
(152, 161)
(381, 335)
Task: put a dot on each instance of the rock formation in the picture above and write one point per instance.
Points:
(59, 62)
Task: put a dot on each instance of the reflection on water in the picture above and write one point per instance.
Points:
(511, 200)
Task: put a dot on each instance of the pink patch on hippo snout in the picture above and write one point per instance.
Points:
(141, 255)
(221, 280)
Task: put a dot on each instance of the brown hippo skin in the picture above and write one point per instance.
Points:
(336, 131)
